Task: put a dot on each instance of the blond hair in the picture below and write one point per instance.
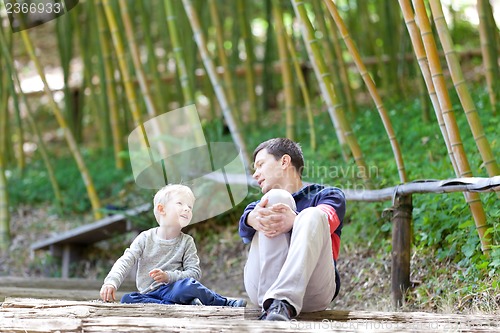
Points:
(163, 196)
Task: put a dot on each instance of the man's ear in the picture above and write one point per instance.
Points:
(286, 161)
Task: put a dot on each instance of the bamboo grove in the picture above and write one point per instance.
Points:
(142, 58)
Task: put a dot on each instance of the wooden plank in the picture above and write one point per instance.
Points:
(58, 283)
(168, 324)
(16, 325)
(33, 308)
(41, 315)
(102, 309)
(93, 232)
(64, 294)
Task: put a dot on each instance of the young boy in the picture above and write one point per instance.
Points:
(168, 266)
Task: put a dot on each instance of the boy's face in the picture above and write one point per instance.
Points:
(179, 209)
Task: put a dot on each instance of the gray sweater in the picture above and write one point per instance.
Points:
(177, 257)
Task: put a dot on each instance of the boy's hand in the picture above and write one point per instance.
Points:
(158, 275)
(108, 293)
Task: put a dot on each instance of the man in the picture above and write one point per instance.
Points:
(291, 264)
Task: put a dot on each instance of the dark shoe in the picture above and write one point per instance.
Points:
(196, 301)
(236, 303)
(263, 315)
(280, 311)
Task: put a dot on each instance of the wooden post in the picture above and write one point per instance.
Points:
(401, 247)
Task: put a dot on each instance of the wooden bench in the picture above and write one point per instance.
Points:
(69, 245)
(43, 315)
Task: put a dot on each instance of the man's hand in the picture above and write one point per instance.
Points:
(271, 221)
(108, 293)
(158, 275)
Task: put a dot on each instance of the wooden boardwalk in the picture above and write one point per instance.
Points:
(46, 315)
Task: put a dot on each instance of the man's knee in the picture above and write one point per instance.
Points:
(311, 215)
(275, 196)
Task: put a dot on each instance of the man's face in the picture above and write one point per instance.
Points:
(269, 172)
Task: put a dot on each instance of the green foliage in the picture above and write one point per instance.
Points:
(33, 187)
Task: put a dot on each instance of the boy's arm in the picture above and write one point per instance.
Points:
(190, 263)
(124, 264)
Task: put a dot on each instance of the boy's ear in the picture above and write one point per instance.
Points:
(161, 209)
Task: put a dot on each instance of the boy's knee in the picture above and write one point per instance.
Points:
(275, 196)
(186, 283)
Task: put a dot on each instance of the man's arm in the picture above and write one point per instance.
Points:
(245, 230)
(332, 202)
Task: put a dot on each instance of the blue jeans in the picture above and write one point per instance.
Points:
(179, 292)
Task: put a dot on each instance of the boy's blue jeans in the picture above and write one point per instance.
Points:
(179, 292)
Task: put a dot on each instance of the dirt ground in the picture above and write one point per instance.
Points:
(365, 275)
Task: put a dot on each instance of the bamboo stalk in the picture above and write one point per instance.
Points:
(125, 75)
(6, 45)
(303, 88)
(187, 90)
(15, 82)
(97, 63)
(21, 161)
(269, 93)
(219, 92)
(335, 109)
(65, 33)
(249, 61)
(226, 74)
(463, 92)
(111, 95)
(160, 98)
(90, 101)
(371, 88)
(463, 170)
(134, 51)
(327, 47)
(285, 70)
(5, 236)
(342, 66)
(4, 116)
(489, 53)
(130, 93)
(73, 147)
(423, 63)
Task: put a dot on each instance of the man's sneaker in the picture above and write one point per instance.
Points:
(280, 311)
(236, 303)
(196, 301)
(263, 315)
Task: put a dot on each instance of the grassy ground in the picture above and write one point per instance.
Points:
(448, 272)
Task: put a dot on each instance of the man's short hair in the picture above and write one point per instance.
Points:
(281, 146)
